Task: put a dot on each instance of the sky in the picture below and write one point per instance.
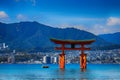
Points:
(95, 16)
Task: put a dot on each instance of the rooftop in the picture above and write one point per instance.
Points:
(59, 41)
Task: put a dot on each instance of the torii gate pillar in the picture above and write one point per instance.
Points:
(83, 58)
(62, 61)
(62, 58)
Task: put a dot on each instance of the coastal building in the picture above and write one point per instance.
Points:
(54, 60)
(3, 46)
(46, 59)
(11, 58)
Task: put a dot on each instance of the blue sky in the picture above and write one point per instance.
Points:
(96, 16)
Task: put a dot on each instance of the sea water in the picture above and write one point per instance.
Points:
(71, 72)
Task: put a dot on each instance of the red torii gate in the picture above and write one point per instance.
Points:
(72, 43)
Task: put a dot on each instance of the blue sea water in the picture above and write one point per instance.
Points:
(71, 72)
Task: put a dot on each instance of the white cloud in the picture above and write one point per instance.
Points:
(103, 29)
(112, 21)
(98, 29)
(95, 29)
(21, 17)
(3, 15)
(111, 26)
(81, 27)
(94, 25)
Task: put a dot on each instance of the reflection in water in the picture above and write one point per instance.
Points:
(62, 71)
(72, 74)
(83, 70)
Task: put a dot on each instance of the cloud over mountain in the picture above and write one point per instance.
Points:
(113, 21)
(21, 17)
(3, 15)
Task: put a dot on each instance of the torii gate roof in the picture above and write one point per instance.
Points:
(58, 41)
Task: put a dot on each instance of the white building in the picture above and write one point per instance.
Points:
(46, 59)
(55, 60)
(3, 46)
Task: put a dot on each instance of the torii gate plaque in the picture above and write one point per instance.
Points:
(72, 43)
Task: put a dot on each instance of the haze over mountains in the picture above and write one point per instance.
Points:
(36, 36)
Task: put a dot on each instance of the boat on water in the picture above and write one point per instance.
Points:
(45, 66)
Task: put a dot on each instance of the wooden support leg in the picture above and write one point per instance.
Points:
(62, 61)
(83, 61)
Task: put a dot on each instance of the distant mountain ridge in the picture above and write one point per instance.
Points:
(36, 36)
(112, 38)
